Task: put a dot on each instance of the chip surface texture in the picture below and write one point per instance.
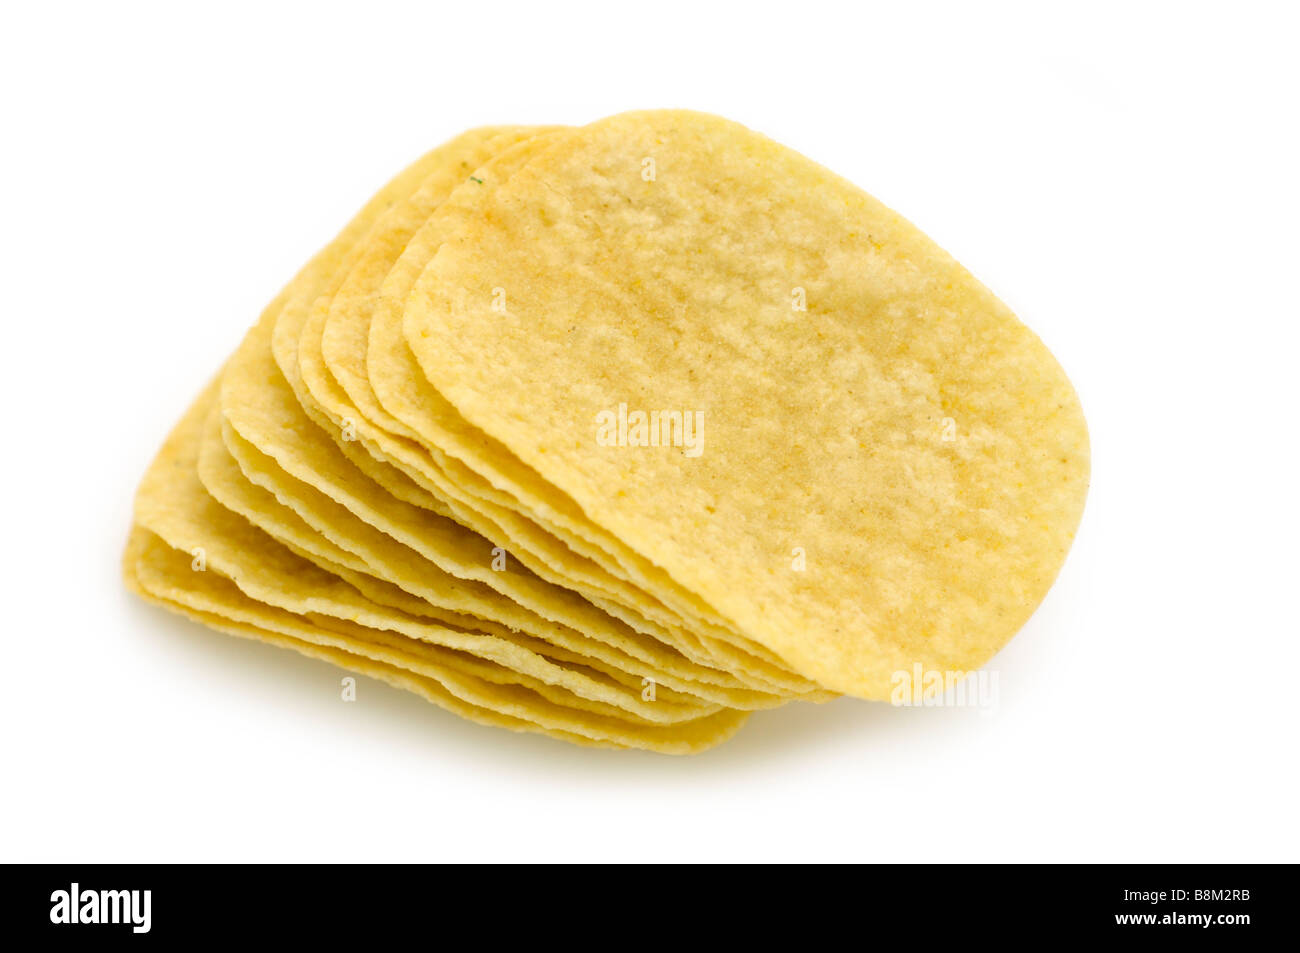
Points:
(864, 400)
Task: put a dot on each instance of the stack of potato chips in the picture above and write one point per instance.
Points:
(617, 434)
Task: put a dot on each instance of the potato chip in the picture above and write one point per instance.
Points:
(895, 465)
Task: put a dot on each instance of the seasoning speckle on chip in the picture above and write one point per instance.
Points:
(618, 451)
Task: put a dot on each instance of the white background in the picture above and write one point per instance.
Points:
(1125, 177)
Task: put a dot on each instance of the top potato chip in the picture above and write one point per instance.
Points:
(767, 383)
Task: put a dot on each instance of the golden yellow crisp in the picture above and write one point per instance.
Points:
(891, 465)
